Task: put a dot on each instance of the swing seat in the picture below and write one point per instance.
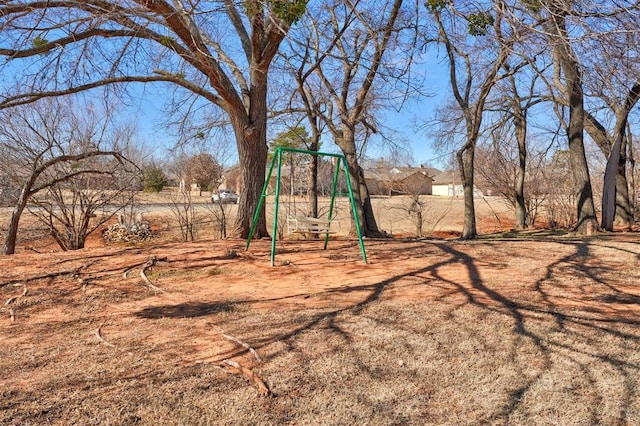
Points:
(309, 225)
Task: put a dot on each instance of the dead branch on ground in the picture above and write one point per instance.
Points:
(249, 374)
(14, 299)
(75, 272)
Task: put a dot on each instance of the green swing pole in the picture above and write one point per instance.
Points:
(275, 210)
(333, 197)
(353, 207)
(256, 215)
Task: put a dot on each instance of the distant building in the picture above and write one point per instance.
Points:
(448, 184)
(400, 180)
(231, 179)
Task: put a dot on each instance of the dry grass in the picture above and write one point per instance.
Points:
(432, 332)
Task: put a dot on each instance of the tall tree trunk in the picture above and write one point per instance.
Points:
(622, 213)
(566, 59)
(12, 232)
(361, 195)
(312, 192)
(466, 159)
(632, 174)
(586, 211)
(371, 226)
(624, 209)
(252, 153)
(251, 135)
(616, 205)
(521, 137)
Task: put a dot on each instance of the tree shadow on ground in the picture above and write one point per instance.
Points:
(185, 310)
(568, 336)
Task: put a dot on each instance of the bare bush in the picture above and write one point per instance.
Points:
(66, 168)
(220, 213)
(185, 214)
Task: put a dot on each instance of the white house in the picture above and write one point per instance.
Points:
(448, 184)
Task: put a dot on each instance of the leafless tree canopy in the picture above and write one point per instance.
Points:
(66, 167)
(219, 51)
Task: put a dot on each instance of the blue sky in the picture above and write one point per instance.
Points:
(407, 124)
(148, 114)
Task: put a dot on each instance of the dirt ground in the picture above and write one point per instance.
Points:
(531, 328)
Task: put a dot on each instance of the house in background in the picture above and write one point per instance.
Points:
(399, 180)
(448, 184)
(381, 180)
(231, 179)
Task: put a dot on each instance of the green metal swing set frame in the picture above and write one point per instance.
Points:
(341, 163)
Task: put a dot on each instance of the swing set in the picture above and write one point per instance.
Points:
(302, 224)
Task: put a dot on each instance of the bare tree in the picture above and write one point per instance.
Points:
(414, 203)
(516, 107)
(590, 44)
(220, 212)
(568, 78)
(500, 167)
(471, 78)
(204, 171)
(181, 200)
(68, 166)
(557, 179)
(340, 70)
(215, 50)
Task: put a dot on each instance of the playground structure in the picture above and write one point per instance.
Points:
(304, 224)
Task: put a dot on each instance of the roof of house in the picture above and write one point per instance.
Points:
(446, 178)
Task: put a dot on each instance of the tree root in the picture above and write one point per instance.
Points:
(144, 266)
(51, 275)
(15, 298)
(99, 336)
(12, 314)
(249, 374)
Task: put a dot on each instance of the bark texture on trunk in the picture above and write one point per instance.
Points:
(465, 162)
(566, 59)
(361, 195)
(520, 125)
(10, 240)
(251, 135)
(624, 207)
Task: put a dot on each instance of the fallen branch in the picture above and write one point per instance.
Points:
(99, 336)
(251, 375)
(126, 271)
(145, 265)
(15, 298)
(12, 314)
(243, 344)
